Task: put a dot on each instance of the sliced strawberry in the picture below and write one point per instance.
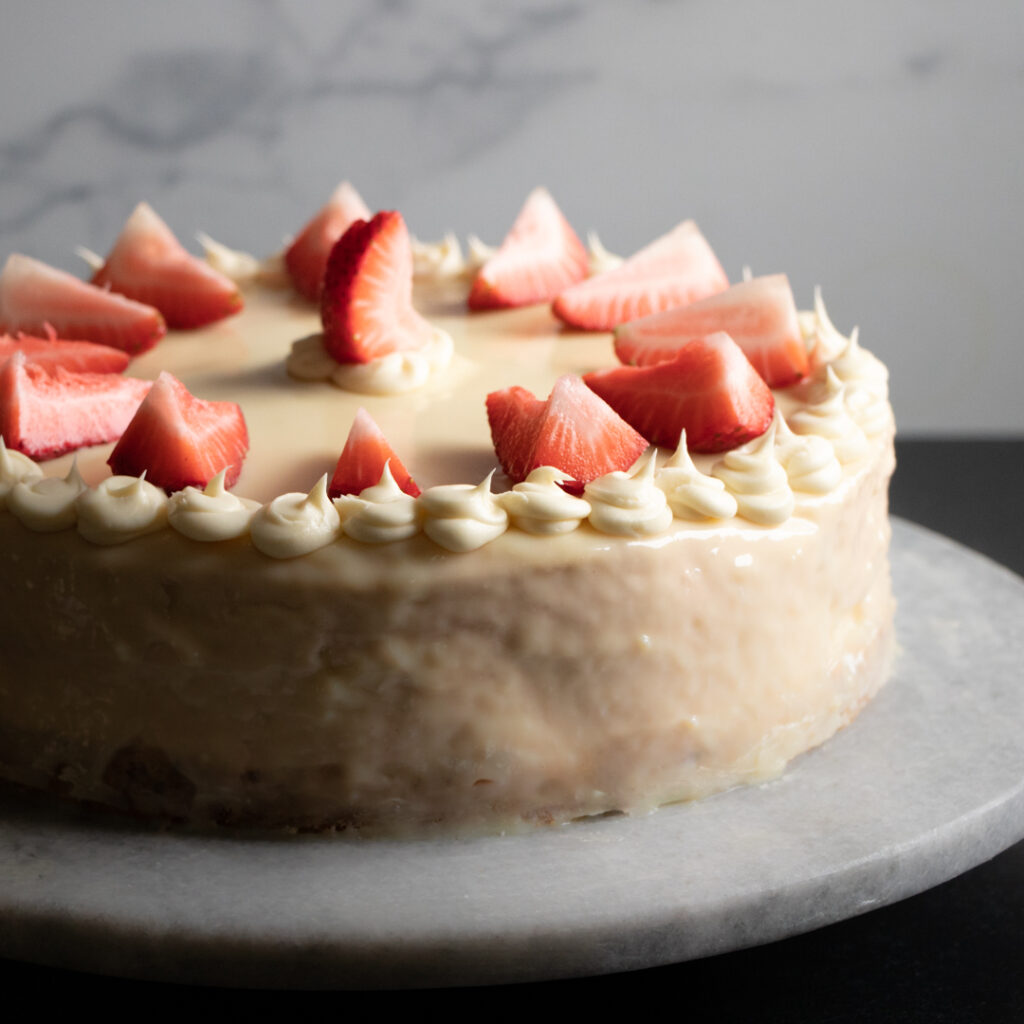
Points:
(673, 270)
(574, 431)
(77, 356)
(540, 257)
(709, 389)
(150, 265)
(759, 315)
(180, 441)
(363, 458)
(35, 298)
(46, 413)
(306, 257)
(366, 305)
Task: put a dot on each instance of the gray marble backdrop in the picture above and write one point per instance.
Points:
(872, 148)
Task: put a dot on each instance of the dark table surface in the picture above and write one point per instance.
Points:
(954, 953)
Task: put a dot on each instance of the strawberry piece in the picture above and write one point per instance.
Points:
(363, 458)
(180, 441)
(673, 270)
(759, 315)
(574, 431)
(46, 413)
(150, 265)
(306, 258)
(36, 298)
(709, 389)
(366, 305)
(77, 356)
(540, 257)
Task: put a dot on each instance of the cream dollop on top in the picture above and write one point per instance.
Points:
(381, 513)
(120, 509)
(393, 374)
(692, 494)
(828, 418)
(629, 504)
(295, 524)
(539, 506)
(47, 504)
(754, 475)
(479, 253)
(14, 468)
(870, 410)
(463, 517)
(598, 257)
(438, 259)
(823, 340)
(857, 367)
(810, 462)
(211, 514)
(242, 267)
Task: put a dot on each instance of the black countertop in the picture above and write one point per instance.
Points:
(954, 953)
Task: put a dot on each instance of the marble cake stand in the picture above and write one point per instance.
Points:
(928, 782)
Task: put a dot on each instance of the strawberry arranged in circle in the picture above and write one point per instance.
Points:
(46, 412)
(574, 431)
(709, 389)
(366, 306)
(676, 269)
(36, 299)
(540, 257)
(150, 265)
(759, 315)
(181, 441)
(306, 258)
(363, 459)
(77, 356)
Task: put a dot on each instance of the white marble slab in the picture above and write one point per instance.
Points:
(927, 782)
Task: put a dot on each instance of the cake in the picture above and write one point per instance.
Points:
(481, 656)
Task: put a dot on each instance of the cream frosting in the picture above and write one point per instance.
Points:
(47, 504)
(438, 259)
(296, 524)
(479, 253)
(858, 368)
(120, 509)
(15, 468)
(211, 514)
(824, 342)
(540, 506)
(629, 504)
(393, 374)
(242, 267)
(599, 259)
(463, 517)
(756, 478)
(381, 513)
(692, 494)
(829, 418)
(809, 461)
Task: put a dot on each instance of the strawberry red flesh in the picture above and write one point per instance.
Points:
(709, 389)
(574, 431)
(148, 264)
(77, 356)
(35, 298)
(759, 315)
(363, 459)
(540, 257)
(47, 412)
(180, 441)
(674, 270)
(306, 258)
(366, 305)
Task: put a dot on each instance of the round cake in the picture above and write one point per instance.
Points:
(483, 655)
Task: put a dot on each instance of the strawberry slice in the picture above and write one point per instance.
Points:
(673, 270)
(759, 315)
(540, 257)
(150, 265)
(306, 257)
(180, 441)
(574, 431)
(709, 389)
(363, 458)
(366, 305)
(36, 298)
(46, 413)
(77, 356)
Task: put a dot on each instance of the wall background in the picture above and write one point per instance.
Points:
(875, 148)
